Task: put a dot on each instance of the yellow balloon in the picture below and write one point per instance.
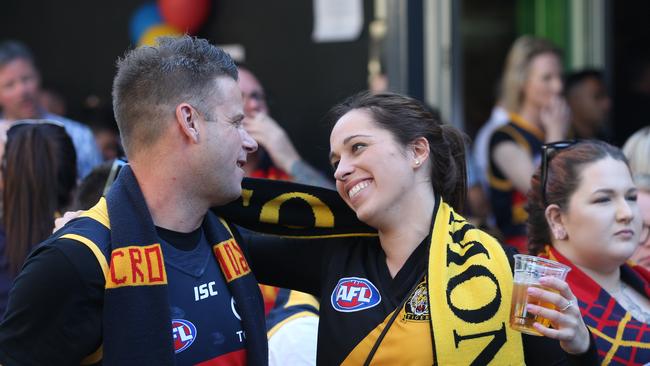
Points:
(149, 36)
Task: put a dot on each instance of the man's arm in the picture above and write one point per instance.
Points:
(54, 314)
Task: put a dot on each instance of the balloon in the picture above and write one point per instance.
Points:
(186, 15)
(143, 18)
(149, 36)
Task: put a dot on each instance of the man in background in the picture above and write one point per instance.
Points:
(19, 99)
(277, 158)
(587, 97)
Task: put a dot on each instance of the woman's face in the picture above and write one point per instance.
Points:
(602, 220)
(544, 81)
(372, 170)
(642, 255)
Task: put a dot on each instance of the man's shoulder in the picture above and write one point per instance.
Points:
(86, 230)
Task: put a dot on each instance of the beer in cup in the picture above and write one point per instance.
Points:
(528, 271)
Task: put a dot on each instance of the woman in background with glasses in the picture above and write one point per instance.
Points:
(531, 91)
(583, 212)
(39, 173)
(637, 150)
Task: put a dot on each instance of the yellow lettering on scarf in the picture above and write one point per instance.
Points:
(323, 215)
(231, 260)
(136, 266)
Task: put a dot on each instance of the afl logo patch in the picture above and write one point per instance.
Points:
(184, 333)
(417, 307)
(354, 294)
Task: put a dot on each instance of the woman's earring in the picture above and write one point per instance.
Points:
(417, 162)
(560, 235)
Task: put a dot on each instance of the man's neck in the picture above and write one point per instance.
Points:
(171, 206)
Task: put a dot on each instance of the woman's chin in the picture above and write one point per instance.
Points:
(366, 217)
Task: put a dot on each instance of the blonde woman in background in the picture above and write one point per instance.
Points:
(637, 150)
(531, 91)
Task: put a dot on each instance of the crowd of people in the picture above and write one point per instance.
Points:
(218, 227)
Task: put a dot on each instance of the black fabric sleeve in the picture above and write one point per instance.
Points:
(295, 264)
(54, 312)
(498, 137)
(545, 351)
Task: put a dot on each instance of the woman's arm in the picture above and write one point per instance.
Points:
(515, 163)
(289, 263)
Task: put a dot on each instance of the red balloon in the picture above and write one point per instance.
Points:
(185, 15)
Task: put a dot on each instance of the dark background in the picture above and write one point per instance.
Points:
(76, 44)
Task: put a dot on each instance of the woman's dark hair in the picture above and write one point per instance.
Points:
(39, 174)
(408, 119)
(563, 178)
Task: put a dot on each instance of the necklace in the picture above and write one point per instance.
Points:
(628, 303)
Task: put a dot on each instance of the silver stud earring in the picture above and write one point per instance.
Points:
(417, 162)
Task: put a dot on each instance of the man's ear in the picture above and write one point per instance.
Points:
(186, 117)
(555, 222)
(420, 150)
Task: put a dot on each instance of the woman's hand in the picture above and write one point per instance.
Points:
(61, 221)
(555, 119)
(268, 134)
(568, 326)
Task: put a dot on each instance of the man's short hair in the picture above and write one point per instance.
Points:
(12, 50)
(151, 81)
(576, 78)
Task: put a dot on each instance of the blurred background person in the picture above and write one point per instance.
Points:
(20, 99)
(637, 151)
(583, 212)
(292, 329)
(589, 104)
(531, 91)
(107, 138)
(93, 186)
(52, 101)
(292, 321)
(278, 159)
(38, 177)
(481, 149)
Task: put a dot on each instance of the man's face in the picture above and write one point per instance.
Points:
(252, 94)
(19, 84)
(224, 145)
(589, 102)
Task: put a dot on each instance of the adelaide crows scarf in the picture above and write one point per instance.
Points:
(469, 286)
(620, 338)
(136, 315)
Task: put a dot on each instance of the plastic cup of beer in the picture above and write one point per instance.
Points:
(528, 270)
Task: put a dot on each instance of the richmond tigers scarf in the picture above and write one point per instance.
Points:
(470, 283)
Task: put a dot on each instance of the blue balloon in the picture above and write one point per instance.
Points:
(143, 18)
